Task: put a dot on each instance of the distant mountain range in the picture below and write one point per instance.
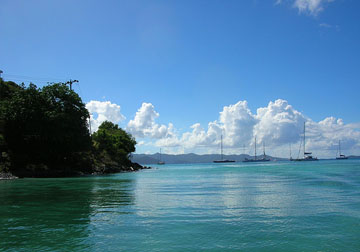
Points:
(146, 159)
(190, 158)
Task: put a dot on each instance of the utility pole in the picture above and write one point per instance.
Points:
(70, 82)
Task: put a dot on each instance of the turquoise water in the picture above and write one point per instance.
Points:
(275, 206)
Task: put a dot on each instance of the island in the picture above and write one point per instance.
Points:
(44, 132)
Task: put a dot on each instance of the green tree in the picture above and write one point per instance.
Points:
(7, 89)
(44, 132)
(114, 142)
(45, 126)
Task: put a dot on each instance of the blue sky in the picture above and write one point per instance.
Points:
(190, 59)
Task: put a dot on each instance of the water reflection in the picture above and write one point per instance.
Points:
(55, 214)
(186, 208)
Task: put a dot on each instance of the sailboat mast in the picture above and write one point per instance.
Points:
(339, 149)
(264, 148)
(304, 139)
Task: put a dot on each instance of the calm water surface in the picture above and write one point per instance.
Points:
(277, 206)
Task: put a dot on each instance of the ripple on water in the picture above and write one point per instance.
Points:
(204, 207)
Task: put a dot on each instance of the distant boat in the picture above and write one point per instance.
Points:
(160, 162)
(263, 159)
(222, 160)
(307, 155)
(341, 156)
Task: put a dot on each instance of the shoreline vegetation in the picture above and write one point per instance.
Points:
(44, 132)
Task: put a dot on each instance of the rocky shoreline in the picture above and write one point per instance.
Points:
(133, 167)
(6, 176)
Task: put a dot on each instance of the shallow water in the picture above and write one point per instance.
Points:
(274, 206)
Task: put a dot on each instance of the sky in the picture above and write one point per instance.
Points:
(179, 74)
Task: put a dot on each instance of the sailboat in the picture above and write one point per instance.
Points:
(341, 156)
(307, 155)
(160, 162)
(263, 159)
(222, 160)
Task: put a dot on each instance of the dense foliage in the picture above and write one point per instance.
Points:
(112, 142)
(45, 130)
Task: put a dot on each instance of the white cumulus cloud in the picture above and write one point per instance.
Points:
(144, 125)
(325, 135)
(103, 111)
(199, 137)
(278, 124)
(237, 123)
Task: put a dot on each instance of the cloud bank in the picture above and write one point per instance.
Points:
(278, 125)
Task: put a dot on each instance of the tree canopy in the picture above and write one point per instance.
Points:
(47, 128)
(45, 125)
(117, 143)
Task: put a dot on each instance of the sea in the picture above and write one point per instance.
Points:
(272, 206)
